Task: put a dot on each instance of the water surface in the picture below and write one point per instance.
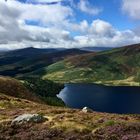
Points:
(122, 99)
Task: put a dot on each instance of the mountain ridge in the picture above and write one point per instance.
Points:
(24, 61)
(102, 67)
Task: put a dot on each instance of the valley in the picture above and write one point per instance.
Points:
(119, 66)
(69, 70)
(32, 78)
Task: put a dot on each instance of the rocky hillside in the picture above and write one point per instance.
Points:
(22, 117)
(63, 123)
(120, 66)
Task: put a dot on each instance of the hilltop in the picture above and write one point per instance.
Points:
(119, 66)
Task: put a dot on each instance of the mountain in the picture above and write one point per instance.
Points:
(14, 56)
(17, 101)
(23, 61)
(117, 66)
(114, 67)
(96, 49)
(30, 51)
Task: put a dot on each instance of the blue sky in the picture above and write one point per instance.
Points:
(111, 12)
(69, 23)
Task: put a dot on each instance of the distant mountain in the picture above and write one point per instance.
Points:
(116, 66)
(96, 49)
(23, 61)
(26, 52)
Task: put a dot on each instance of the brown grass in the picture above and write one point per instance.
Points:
(64, 123)
(13, 87)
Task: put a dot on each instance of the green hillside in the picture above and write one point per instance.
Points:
(120, 66)
(37, 90)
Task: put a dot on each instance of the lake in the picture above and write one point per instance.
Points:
(111, 99)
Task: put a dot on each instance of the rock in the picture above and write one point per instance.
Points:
(29, 118)
(87, 110)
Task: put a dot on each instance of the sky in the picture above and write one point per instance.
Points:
(69, 23)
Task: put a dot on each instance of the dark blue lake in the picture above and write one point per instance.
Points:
(121, 99)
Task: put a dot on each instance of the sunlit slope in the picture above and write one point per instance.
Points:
(117, 66)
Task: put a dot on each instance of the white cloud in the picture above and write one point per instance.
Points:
(56, 31)
(102, 33)
(13, 29)
(102, 28)
(86, 7)
(132, 8)
(10, 24)
(45, 14)
(83, 26)
(43, 1)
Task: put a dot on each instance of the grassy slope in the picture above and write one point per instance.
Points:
(13, 87)
(64, 123)
(116, 67)
(44, 92)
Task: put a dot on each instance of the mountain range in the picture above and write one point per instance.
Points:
(23, 61)
(115, 66)
(32, 93)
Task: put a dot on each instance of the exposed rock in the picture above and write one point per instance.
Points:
(87, 110)
(29, 118)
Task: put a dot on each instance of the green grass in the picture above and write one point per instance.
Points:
(112, 65)
(54, 101)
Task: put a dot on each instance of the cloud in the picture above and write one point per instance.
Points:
(43, 1)
(102, 28)
(82, 27)
(101, 33)
(132, 8)
(55, 31)
(10, 24)
(43, 13)
(86, 7)
(14, 30)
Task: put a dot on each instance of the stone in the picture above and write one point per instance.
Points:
(29, 118)
(87, 110)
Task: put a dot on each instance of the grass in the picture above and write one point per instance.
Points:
(13, 87)
(54, 101)
(62, 122)
(129, 81)
(114, 67)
